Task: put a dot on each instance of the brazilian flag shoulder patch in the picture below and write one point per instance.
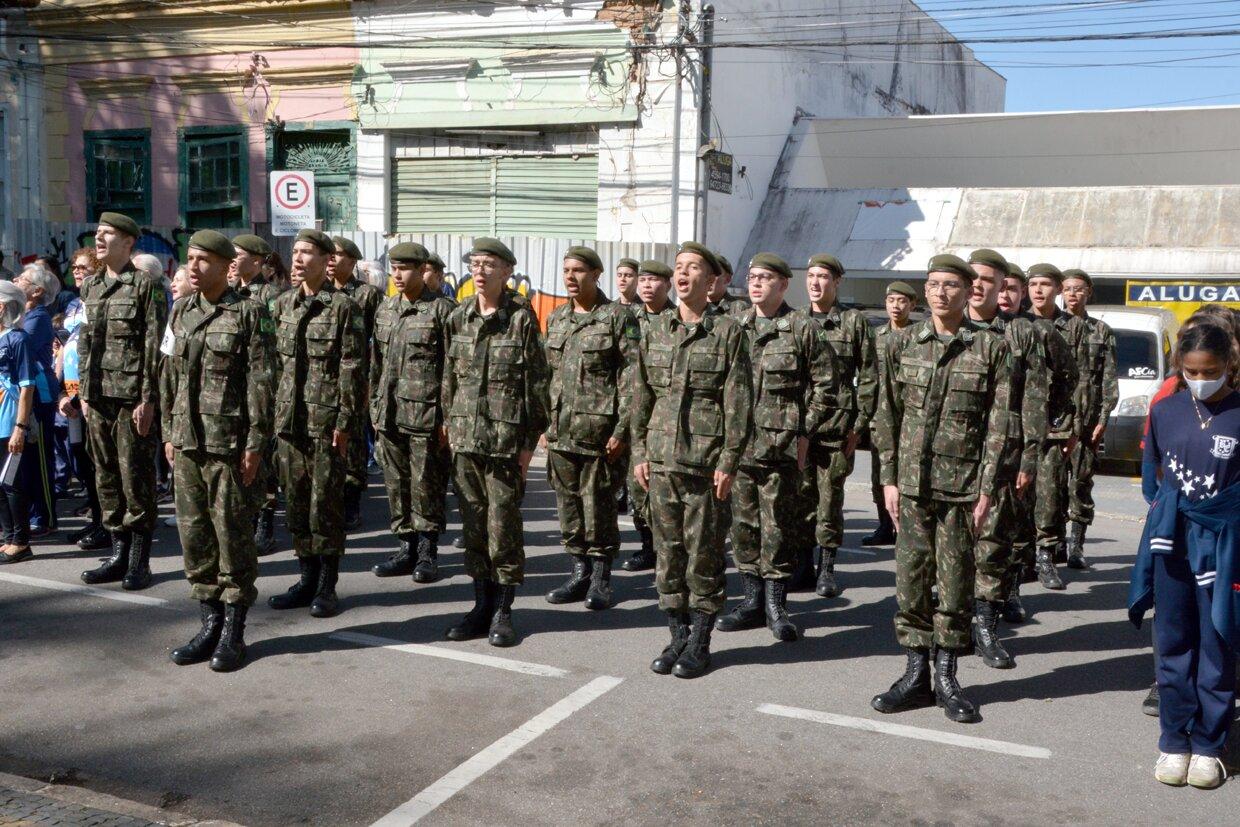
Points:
(631, 329)
(266, 325)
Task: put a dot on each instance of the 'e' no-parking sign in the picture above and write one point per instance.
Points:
(292, 202)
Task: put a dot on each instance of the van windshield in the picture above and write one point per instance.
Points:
(1136, 355)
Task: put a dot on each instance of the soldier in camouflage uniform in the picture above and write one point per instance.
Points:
(1101, 391)
(833, 445)
(433, 275)
(626, 283)
(406, 374)
(721, 301)
(592, 354)
(495, 397)
(321, 340)
(118, 353)
(941, 428)
(900, 302)
(246, 277)
(367, 297)
(795, 376)
(1067, 348)
(691, 423)
(1026, 428)
(217, 418)
(654, 280)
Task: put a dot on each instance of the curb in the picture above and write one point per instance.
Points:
(83, 797)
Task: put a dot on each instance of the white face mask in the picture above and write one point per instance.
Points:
(1203, 389)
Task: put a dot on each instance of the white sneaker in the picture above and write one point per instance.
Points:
(1206, 772)
(1172, 768)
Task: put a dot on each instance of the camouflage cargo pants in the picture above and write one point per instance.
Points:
(688, 542)
(489, 491)
(1052, 493)
(765, 520)
(876, 489)
(585, 497)
(822, 493)
(1082, 467)
(639, 500)
(124, 467)
(934, 546)
(312, 474)
(1023, 533)
(993, 551)
(356, 478)
(221, 562)
(262, 494)
(415, 472)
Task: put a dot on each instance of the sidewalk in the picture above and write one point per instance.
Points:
(26, 801)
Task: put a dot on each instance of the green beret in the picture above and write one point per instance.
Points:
(408, 251)
(122, 222)
(586, 256)
(772, 262)
(347, 247)
(435, 261)
(712, 260)
(1015, 272)
(630, 263)
(1077, 273)
(1045, 270)
(990, 258)
(902, 288)
(252, 244)
(212, 242)
(318, 238)
(725, 264)
(484, 246)
(829, 261)
(654, 267)
(947, 263)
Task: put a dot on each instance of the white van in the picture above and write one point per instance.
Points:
(1144, 337)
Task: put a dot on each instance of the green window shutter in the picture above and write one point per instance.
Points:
(554, 196)
(118, 173)
(442, 195)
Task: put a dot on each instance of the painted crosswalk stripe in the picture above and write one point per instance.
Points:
(90, 591)
(523, 667)
(488, 759)
(904, 731)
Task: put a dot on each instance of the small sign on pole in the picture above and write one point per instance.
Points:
(719, 172)
(292, 202)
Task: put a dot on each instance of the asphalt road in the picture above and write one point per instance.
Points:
(571, 726)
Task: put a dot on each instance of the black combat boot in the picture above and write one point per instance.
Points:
(947, 691)
(138, 574)
(777, 612)
(678, 624)
(325, 603)
(1061, 552)
(478, 619)
(114, 568)
(352, 509)
(95, 538)
(427, 568)
(1076, 547)
(1150, 705)
(695, 659)
(623, 500)
(643, 558)
(827, 587)
(749, 614)
(1013, 610)
(912, 690)
(986, 636)
(578, 583)
(202, 644)
(301, 594)
(1045, 566)
(599, 595)
(399, 564)
(230, 651)
(265, 532)
(502, 633)
(802, 579)
(884, 534)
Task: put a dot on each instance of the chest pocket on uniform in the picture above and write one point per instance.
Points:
(216, 392)
(780, 368)
(504, 360)
(461, 352)
(658, 360)
(221, 350)
(966, 394)
(123, 349)
(320, 340)
(706, 370)
(596, 353)
(915, 379)
(555, 347)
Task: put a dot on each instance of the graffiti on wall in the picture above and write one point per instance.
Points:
(60, 243)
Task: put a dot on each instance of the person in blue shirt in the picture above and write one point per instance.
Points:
(19, 377)
(41, 287)
(1194, 446)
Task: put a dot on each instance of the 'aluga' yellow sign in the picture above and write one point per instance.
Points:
(1182, 298)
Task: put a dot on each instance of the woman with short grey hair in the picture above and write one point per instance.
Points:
(19, 377)
(41, 286)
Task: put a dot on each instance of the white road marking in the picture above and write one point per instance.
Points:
(90, 591)
(475, 767)
(453, 654)
(859, 551)
(903, 731)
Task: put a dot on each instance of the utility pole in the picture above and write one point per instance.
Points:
(702, 185)
(682, 19)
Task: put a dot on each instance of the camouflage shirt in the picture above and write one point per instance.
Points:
(692, 405)
(406, 366)
(940, 426)
(118, 345)
(851, 337)
(1026, 419)
(321, 342)
(795, 383)
(592, 357)
(495, 381)
(216, 382)
(368, 298)
(260, 290)
(1103, 387)
(1065, 344)
(731, 305)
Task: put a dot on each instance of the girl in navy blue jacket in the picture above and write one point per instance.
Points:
(1194, 443)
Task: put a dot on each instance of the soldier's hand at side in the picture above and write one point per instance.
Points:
(802, 452)
(249, 467)
(723, 485)
(1096, 439)
(980, 510)
(891, 501)
(524, 458)
(641, 473)
(1070, 445)
(443, 436)
(542, 441)
(616, 449)
(143, 416)
(169, 452)
(340, 441)
(1023, 481)
(850, 443)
